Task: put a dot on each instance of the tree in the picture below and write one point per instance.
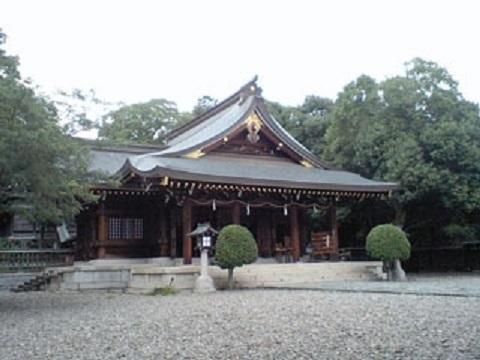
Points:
(78, 110)
(235, 247)
(353, 131)
(389, 244)
(143, 123)
(204, 104)
(43, 172)
(307, 122)
(419, 131)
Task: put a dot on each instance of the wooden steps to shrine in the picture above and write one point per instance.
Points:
(38, 283)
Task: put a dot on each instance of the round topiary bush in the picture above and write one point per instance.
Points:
(389, 244)
(235, 247)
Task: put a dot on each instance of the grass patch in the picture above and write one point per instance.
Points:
(165, 291)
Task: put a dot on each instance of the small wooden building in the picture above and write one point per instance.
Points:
(234, 164)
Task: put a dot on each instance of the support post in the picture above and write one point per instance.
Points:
(187, 229)
(102, 231)
(163, 240)
(173, 232)
(236, 214)
(301, 227)
(334, 226)
(294, 232)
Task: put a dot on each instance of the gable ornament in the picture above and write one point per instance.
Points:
(254, 124)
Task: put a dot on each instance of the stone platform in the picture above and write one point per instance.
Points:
(143, 275)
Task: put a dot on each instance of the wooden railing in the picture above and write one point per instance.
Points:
(18, 260)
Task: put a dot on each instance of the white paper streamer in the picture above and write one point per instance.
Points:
(214, 205)
(248, 209)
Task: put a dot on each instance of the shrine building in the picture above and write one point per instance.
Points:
(235, 164)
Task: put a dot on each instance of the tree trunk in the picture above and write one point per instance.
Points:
(387, 268)
(230, 278)
(398, 272)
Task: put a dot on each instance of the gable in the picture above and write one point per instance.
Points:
(241, 144)
(242, 124)
(253, 137)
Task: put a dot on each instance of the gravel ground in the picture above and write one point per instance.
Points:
(454, 284)
(248, 324)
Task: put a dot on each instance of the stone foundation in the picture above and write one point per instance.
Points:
(135, 275)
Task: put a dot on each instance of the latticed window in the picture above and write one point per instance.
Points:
(125, 228)
(138, 228)
(114, 228)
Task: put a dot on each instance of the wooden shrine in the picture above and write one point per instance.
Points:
(234, 164)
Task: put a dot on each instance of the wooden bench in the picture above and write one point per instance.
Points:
(283, 253)
(322, 245)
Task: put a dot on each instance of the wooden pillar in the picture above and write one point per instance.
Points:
(173, 232)
(92, 235)
(294, 232)
(163, 239)
(273, 231)
(102, 234)
(334, 226)
(236, 214)
(301, 229)
(264, 232)
(187, 228)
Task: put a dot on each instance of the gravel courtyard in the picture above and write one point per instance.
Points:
(253, 324)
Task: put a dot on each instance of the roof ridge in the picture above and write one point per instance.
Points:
(216, 109)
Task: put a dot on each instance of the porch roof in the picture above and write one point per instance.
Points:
(253, 171)
(194, 152)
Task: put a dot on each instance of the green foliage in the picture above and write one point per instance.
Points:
(457, 234)
(416, 130)
(204, 104)
(4, 244)
(143, 123)
(165, 291)
(235, 247)
(387, 243)
(43, 172)
(75, 108)
(307, 122)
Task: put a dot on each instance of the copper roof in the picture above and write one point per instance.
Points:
(300, 169)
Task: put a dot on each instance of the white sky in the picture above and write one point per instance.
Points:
(137, 50)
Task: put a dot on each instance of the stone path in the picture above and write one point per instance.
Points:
(463, 285)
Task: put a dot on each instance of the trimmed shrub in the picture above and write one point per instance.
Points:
(388, 243)
(235, 247)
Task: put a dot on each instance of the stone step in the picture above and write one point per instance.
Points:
(138, 277)
(35, 284)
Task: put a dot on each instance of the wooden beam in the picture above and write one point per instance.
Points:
(163, 239)
(102, 231)
(334, 226)
(236, 213)
(173, 232)
(301, 229)
(187, 228)
(294, 232)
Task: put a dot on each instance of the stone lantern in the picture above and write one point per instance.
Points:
(205, 236)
